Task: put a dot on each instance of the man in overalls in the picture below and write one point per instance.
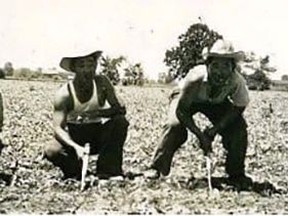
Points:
(218, 91)
(86, 110)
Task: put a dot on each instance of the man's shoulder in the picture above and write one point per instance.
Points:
(62, 95)
(62, 90)
(239, 78)
(196, 74)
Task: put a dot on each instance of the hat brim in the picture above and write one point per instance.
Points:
(65, 62)
(238, 56)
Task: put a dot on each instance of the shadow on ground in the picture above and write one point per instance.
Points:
(224, 184)
(5, 179)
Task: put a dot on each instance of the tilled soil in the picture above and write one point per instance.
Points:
(30, 184)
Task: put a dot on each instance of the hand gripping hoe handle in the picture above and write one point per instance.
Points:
(85, 160)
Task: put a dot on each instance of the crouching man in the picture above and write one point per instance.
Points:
(219, 92)
(86, 110)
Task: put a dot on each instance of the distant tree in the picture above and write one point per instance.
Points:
(2, 74)
(110, 68)
(258, 81)
(39, 69)
(284, 77)
(161, 77)
(139, 74)
(26, 74)
(264, 64)
(165, 78)
(249, 57)
(8, 69)
(188, 53)
(128, 78)
(134, 75)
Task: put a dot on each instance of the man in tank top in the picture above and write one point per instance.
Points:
(87, 110)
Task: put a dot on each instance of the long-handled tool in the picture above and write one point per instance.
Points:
(209, 168)
(85, 160)
(207, 155)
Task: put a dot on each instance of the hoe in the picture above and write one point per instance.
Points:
(85, 165)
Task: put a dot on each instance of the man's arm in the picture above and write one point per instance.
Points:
(190, 87)
(59, 121)
(184, 113)
(184, 109)
(116, 108)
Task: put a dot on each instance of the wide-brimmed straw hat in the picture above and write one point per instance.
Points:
(65, 62)
(224, 49)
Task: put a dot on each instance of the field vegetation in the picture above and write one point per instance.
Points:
(29, 184)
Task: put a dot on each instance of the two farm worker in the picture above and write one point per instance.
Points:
(218, 91)
(87, 110)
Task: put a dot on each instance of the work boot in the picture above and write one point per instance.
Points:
(111, 176)
(151, 174)
(241, 182)
(76, 176)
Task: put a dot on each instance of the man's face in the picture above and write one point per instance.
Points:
(219, 70)
(85, 67)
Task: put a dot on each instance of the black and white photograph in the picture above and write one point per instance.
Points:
(143, 107)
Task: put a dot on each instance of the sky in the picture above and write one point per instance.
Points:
(38, 33)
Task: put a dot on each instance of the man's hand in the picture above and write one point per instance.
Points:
(205, 143)
(206, 139)
(80, 151)
(122, 110)
(211, 132)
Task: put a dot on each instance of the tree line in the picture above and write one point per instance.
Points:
(188, 53)
(179, 60)
(131, 74)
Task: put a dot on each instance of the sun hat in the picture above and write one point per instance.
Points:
(223, 48)
(66, 62)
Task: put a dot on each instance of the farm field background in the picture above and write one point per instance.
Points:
(36, 186)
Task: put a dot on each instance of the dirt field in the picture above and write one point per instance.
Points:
(29, 184)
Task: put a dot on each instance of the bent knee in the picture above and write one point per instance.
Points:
(173, 122)
(52, 149)
(176, 128)
(121, 121)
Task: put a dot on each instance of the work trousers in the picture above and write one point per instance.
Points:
(106, 139)
(234, 137)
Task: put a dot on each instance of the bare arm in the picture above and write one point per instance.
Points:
(59, 119)
(184, 109)
(116, 108)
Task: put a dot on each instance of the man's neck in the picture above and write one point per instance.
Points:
(83, 89)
